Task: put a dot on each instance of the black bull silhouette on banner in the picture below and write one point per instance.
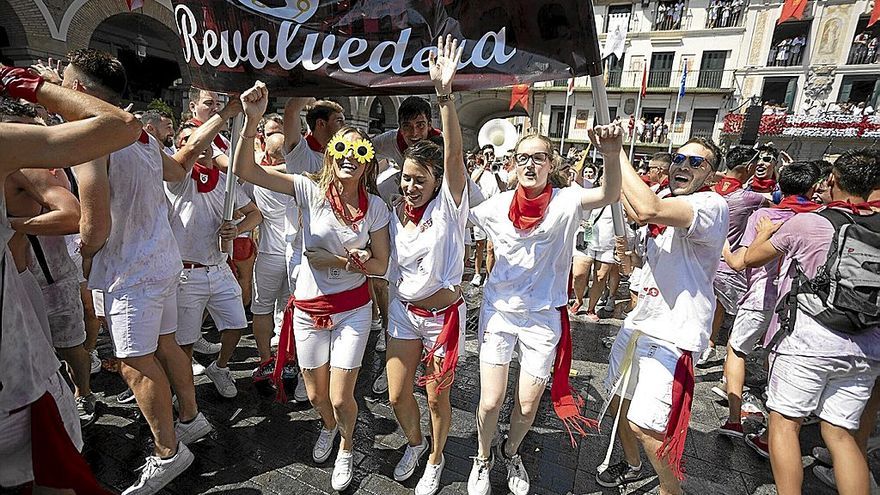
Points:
(373, 47)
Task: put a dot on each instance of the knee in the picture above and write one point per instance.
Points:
(318, 398)
(438, 403)
(341, 401)
(398, 397)
(490, 404)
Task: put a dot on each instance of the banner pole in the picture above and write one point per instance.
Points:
(674, 118)
(632, 142)
(603, 117)
(229, 200)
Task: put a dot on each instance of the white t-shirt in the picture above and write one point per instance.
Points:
(321, 229)
(531, 268)
(488, 184)
(273, 205)
(196, 218)
(386, 147)
(301, 160)
(141, 247)
(431, 257)
(677, 302)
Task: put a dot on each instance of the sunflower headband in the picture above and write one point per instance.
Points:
(362, 149)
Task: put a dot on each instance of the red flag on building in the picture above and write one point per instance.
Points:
(570, 86)
(134, 4)
(519, 95)
(875, 13)
(644, 81)
(792, 9)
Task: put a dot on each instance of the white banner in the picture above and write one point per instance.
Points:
(615, 39)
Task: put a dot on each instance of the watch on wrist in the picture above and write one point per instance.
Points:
(450, 97)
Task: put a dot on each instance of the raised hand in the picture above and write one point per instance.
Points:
(50, 71)
(254, 100)
(608, 139)
(443, 64)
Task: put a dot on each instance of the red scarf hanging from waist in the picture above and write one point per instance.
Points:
(797, 204)
(567, 403)
(448, 339)
(727, 185)
(763, 185)
(672, 447)
(321, 309)
(56, 462)
(526, 213)
(206, 178)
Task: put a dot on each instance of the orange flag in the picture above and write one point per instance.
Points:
(875, 14)
(519, 95)
(792, 8)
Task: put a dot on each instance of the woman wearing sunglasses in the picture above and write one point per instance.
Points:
(345, 238)
(526, 297)
(651, 362)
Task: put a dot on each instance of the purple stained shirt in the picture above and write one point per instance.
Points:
(741, 204)
(762, 292)
(807, 237)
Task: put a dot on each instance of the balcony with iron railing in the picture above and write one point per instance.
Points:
(663, 81)
(725, 13)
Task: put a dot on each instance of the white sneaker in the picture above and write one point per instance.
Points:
(381, 343)
(222, 379)
(96, 362)
(196, 429)
(478, 480)
(517, 477)
(300, 394)
(202, 346)
(477, 280)
(380, 384)
(343, 470)
(198, 369)
(822, 455)
(275, 340)
(324, 444)
(410, 460)
(157, 473)
(706, 356)
(429, 483)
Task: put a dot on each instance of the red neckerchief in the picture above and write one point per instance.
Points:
(401, 142)
(727, 185)
(414, 214)
(863, 208)
(672, 447)
(218, 140)
(664, 183)
(448, 340)
(647, 180)
(206, 178)
(313, 143)
(339, 207)
(525, 213)
(567, 403)
(144, 138)
(655, 229)
(797, 204)
(763, 185)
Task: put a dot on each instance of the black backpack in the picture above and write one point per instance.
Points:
(845, 293)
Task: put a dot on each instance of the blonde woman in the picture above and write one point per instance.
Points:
(345, 238)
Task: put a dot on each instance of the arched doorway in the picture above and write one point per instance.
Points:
(383, 115)
(150, 53)
(12, 34)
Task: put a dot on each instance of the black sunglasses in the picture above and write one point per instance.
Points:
(693, 160)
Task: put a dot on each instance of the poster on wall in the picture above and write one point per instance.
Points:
(359, 47)
(581, 120)
(678, 127)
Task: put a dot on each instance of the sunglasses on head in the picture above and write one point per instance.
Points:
(692, 160)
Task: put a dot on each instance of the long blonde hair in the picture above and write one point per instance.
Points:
(327, 174)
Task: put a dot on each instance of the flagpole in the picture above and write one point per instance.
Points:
(674, 117)
(632, 142)
(565, 123)
(229, 200)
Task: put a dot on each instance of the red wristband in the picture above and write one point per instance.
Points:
(18, 82)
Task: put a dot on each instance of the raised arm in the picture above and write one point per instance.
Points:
(608, 139)
(93, 129)
(442, 67)
(292, 123)
(646, 206)
(61, 208)
(254, 102)
(178, 166)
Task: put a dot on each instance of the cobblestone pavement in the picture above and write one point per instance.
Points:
(260, 446)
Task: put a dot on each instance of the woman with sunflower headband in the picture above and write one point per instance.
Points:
(345, 238)
(426, 314)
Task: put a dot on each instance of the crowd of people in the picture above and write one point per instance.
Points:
(646, 130)
(787, 52)
(325, 234)
(724, 13)
(669, 15)
(864, 49)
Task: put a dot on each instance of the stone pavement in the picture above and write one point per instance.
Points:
(260, 446)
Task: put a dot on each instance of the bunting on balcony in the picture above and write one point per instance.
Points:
(368, 47)
(792, 9)
(519, 95)
(875, 13)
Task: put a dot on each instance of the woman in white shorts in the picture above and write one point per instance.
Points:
(606, 270)
(525, 299)
(427, 313)
(345, 238)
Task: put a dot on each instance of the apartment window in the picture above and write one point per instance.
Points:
(724, 13)
(557, 121)
(712, 69)
(703, 122)
(779, 91)
(669, 14)
(615, 70)
(860, 89)
(865, 48)
(618, 11)
(789, 44)
(661, 69)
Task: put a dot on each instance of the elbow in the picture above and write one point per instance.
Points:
(70, 224)
(645, 216)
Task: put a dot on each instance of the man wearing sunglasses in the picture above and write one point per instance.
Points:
(672, 319)
(764, 180)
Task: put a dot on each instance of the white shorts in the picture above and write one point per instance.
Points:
(213, 288)
(66, 318)
(270, 283)
(534, 335)
(98, 302)
(35, 296)
(478, 234)
(834, 389)
(604, 255)
(73, 247)
(138, 315)
(748, 329)
(729, 289)
(403, 324)
(650, 383)
(342, 345)
(16, 458)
